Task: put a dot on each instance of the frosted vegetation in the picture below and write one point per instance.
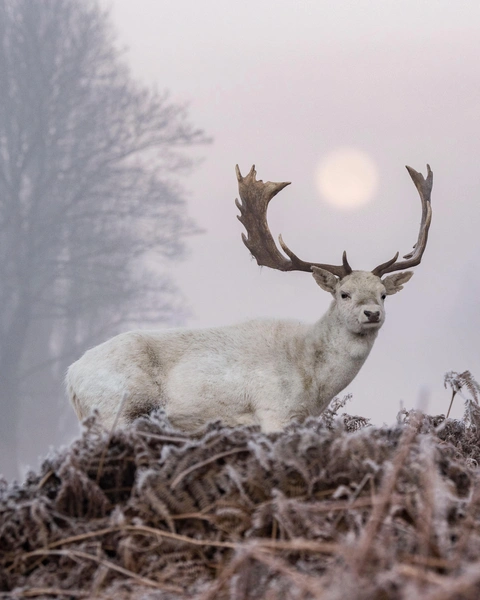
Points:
(331, 508)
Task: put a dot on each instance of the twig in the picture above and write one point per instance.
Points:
(162, 438)
(419, 573)
(428, 561)
(451, 402)
(32, 592)
(195, 515)
(295, 545)
(82, 536)
(44, 479)
(199, 465)
(108, 565)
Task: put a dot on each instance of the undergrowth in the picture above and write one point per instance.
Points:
(332, 508)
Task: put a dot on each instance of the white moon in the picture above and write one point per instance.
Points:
(347, 178)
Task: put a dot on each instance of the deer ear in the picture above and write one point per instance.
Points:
(326, 280)
(394, 283)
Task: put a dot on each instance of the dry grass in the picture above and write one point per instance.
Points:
(329, 509)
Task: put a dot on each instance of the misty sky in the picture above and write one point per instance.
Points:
(284, 83)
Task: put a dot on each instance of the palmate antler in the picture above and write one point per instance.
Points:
(424, 187)
(256, 195)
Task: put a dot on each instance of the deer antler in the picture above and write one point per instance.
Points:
(424, 187)
(255, 196)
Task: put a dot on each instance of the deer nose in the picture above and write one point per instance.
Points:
(373, 317)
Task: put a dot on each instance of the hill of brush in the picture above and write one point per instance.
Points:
(329, 509)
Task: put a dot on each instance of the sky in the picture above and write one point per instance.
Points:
(286, 84)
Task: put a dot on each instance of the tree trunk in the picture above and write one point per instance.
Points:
(11, 354)
(9, 417)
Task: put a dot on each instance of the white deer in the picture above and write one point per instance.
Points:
(263, 372)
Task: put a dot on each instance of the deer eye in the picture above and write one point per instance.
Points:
(384, 296)
(344, 295)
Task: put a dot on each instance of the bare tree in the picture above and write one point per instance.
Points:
(89, 161)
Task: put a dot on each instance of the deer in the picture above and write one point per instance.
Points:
(266, 373)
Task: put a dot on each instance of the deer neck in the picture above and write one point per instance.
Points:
(337, 354)
(331, 358)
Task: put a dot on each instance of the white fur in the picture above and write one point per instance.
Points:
(259, 372)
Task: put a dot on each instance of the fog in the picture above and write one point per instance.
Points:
(283, 85)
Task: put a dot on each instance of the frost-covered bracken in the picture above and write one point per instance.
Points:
(328, 509)
(263, 373)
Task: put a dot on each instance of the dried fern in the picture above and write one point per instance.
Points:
(457, 383)
(328, 508)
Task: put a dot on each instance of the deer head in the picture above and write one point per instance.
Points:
(358, 295)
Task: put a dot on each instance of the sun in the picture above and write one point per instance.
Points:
(347, 178)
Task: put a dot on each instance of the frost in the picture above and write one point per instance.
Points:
(330, 508)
